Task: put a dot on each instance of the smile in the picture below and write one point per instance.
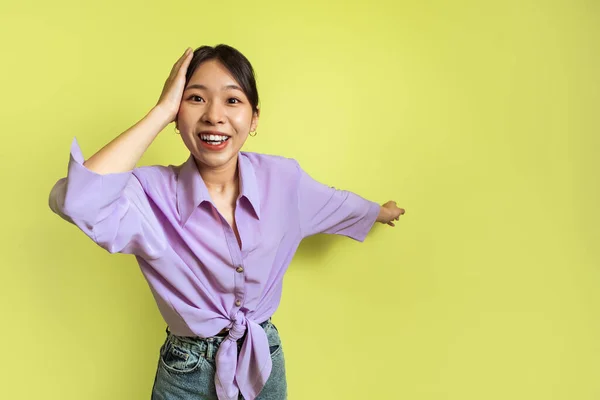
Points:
(214, 140)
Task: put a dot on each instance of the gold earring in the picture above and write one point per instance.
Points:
(177, 132)
(254, 133)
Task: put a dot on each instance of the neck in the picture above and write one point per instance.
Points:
(220, 180)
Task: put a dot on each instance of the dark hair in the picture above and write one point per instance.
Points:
(237, 64)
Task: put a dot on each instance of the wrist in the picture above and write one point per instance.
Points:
(382, 215)
(163, 116)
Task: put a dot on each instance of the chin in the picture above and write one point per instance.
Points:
(214, 160)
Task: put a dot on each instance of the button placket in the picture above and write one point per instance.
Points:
(237, 258)
(239, 278)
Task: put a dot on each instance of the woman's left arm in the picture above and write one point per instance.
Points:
(325, 209)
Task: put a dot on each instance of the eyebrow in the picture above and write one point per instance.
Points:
(226, 87)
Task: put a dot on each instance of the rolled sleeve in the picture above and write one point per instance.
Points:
(324, 209)
(112, 209)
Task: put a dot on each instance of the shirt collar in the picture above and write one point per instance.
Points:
(192, 191)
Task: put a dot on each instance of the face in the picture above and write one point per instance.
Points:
(215, 116)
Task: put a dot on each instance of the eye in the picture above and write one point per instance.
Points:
(233, 100)
(192, 97)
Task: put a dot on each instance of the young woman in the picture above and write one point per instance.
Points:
(213, 236)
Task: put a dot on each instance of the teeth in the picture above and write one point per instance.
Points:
(214, 138)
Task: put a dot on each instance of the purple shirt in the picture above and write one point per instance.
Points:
(201, 279)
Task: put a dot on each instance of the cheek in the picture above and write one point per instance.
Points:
(188, 140)
(184, 114)
(241, 120)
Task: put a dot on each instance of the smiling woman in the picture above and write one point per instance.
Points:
(220, 87)
(213, 236)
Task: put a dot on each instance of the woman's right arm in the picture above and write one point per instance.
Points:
(104, 198)
(124, 152)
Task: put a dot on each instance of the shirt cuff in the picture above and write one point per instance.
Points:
(364, 226)
(88, 192)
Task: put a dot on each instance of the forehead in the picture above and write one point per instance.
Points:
(212, 74)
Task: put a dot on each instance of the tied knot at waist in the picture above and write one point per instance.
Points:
(238, 327)
(248, 371)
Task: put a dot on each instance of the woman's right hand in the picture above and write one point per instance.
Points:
(172, 93)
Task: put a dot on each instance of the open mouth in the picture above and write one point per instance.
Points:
(214, 140)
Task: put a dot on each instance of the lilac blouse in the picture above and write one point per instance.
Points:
(202, 280)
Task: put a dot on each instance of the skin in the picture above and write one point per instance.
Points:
(219, 106)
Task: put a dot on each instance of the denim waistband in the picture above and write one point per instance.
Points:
(213, 338)
(207, 347)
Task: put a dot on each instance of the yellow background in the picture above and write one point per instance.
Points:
(479, 118)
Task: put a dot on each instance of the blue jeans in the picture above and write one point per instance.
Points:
(186, 368)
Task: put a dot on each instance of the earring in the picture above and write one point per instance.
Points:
(254, 133)
(177, 132)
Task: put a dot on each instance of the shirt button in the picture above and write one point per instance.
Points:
(239, 269)
(238, 302)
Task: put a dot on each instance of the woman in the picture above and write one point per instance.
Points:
(213, 236)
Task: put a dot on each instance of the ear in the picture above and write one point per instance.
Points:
(254, 123)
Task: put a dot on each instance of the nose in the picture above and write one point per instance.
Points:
(214, 113)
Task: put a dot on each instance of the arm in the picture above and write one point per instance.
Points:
(124, 152)
(102, 195)
(111, 208)
(324, 209)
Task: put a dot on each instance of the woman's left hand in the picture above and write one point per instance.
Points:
(389, 212)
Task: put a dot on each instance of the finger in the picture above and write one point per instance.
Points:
(391, 223)
(178, 63)
(185, 54)
(186, 63)
(181, 60)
